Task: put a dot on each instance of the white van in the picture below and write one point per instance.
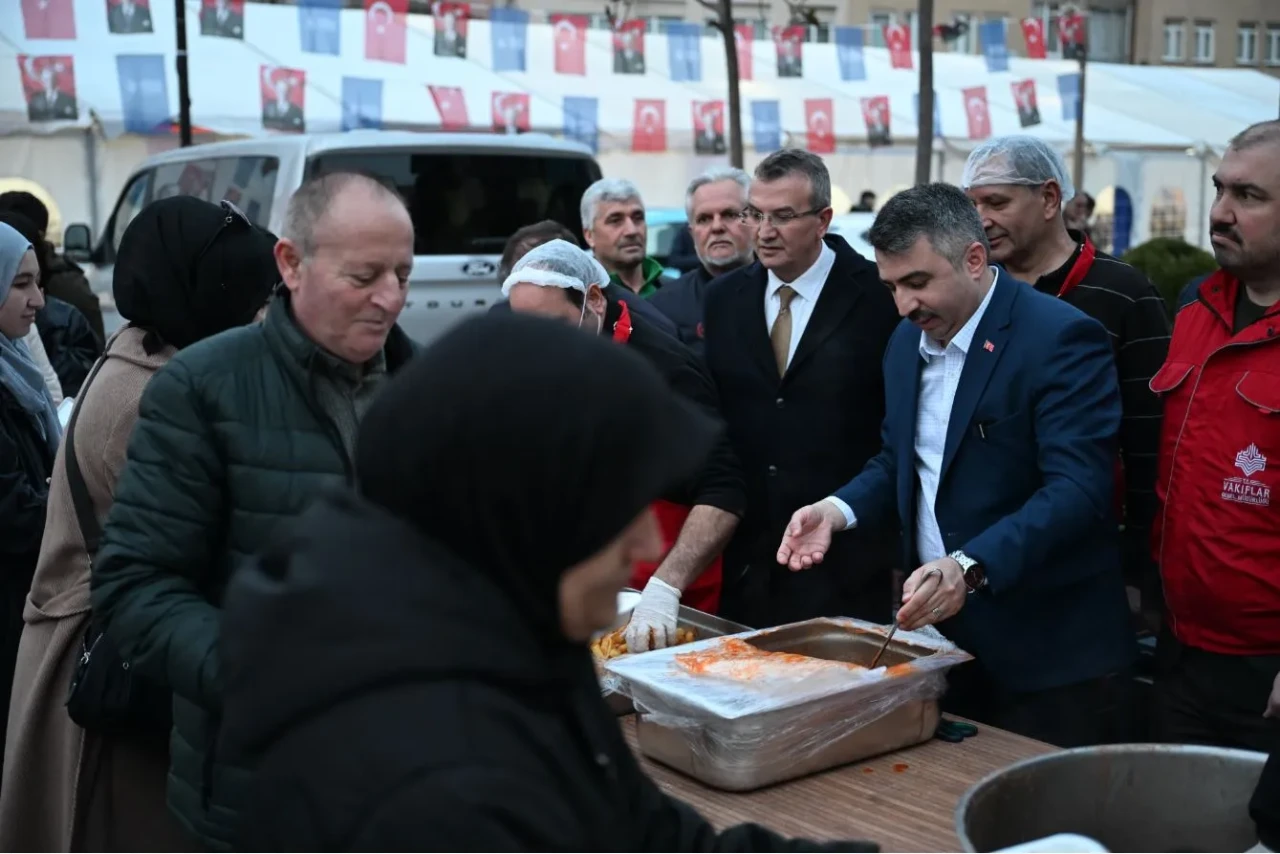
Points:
(467, 194)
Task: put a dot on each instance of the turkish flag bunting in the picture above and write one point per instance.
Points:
(649, 132)
(1033, 34)
(451, 104)
(744, 36)
(898, 38)
(819, 125)
(1072, 32)
(977, 111)
(48, 19)
(385, 29)
(788, 43)
(571, 43)
(511, 112)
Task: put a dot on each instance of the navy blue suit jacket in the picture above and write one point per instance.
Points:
(1026, 488)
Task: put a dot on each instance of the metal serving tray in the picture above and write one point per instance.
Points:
(704, 624)
(770, 747)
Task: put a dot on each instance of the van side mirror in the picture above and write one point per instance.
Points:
(77, 243)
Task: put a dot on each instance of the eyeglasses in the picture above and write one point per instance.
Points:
(778, 219)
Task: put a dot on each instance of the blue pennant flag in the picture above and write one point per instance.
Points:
(766, 126)
(849, 53)
(684, 44)
(582, 121)
(320, 27)
(361, 103)
(509, 29)
(995, 45)
(1069, 92)
(144, 93)
(937, 113)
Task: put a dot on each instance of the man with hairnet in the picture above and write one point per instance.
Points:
(1021, 189)
(560, 281)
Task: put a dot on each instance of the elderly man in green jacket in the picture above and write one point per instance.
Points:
(236, 435)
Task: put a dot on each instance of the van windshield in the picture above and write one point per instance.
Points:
(470, 203)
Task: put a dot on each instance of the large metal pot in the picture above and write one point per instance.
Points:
(1131, 797)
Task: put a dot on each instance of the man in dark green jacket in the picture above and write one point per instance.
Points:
(614, 226)
(235, 435)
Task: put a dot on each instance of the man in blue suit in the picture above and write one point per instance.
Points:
(999, 445)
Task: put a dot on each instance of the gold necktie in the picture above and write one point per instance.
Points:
(780, 334)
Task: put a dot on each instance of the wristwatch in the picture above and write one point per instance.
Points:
(974, 577)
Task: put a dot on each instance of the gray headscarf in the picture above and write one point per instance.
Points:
(19, 374)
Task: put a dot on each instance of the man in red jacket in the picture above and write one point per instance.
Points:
(1217, 529)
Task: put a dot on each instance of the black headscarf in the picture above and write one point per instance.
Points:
(183, 272)
(524, 446)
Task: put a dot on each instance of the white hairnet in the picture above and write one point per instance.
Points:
(558, 264)
(1016, 160)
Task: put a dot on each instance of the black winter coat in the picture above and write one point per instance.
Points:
(69, 341)
(391, 697)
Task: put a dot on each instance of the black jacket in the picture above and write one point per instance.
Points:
(434, 715)
(66, 281)
(69, 342)
(720, 484)
(682, 301)
(803, 436)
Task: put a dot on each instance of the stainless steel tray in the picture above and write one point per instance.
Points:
(706, 625)
(771, 747)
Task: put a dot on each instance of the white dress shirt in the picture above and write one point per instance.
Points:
(808, 286)
(939, 380)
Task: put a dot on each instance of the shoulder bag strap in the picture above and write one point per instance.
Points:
(90, 529)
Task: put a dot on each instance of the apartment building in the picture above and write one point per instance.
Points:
(1200, 33)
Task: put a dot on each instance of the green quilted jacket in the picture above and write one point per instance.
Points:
(230, 441)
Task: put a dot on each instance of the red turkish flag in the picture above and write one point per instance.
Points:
(1033, 34)
(977, 111)
(49, 85)
(649, 131)
(511, 112)
(571, 43)
(819, 125)
(744, 36)
(788, 44)
(48, 19)
(875, 114)
(385, 29)
(1024, 96)
(451, 104)
(898, 38)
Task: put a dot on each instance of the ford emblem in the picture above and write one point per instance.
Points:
(477, 269)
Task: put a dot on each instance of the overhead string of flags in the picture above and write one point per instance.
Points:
(48, 81)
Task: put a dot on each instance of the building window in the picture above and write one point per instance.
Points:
(1273, 44)
(1173, 34)
(1109, 35)
(1204, 41)
(1247, 44)
(879, 20)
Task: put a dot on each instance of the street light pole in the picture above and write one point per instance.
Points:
(184, 89)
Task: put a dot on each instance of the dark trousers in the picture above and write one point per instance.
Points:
(1097, 711)
(1208, 698)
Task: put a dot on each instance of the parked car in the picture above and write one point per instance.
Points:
(664, 224)
(853, 227)
(466, 193)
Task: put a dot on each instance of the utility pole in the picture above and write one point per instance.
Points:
(1080, 44)
(184, 89)
(924, 123)
(723, 10)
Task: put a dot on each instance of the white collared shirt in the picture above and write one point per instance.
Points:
(808, 286)
(939, 380)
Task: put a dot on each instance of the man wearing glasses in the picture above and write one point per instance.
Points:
(795, 344)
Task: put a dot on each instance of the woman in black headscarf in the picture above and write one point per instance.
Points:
(409, 669)
(185, 270)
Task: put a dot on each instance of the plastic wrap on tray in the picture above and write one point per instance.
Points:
(734, 697)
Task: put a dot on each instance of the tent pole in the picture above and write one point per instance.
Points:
(184, 90)
(924, 121)
(1078, 166)
(1204, 196)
